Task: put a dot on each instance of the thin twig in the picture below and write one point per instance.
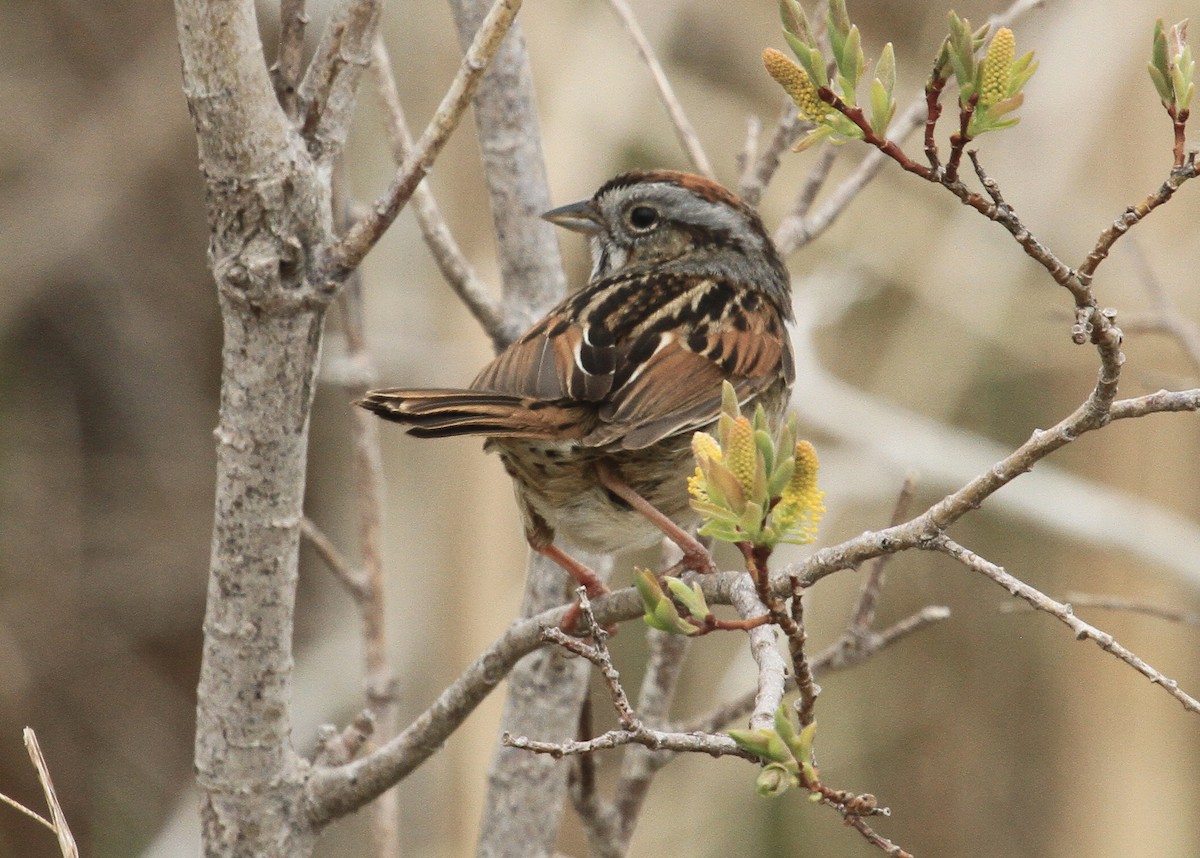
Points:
(795, 232)
(1134, 215)
(451, 261)
(758, 171)
(1113, 603)
(1167, 317)
(285, 73)
(354, 580)
(802, 670)
(684, 130)
(747, 156)
(848, 651)
(16, 805)
(875, 839)
(379, 677)
(1042, 602)
(342, 258)
(598, 654)
(864, 613)
(854, 648)
(716, 744)
(813, 182)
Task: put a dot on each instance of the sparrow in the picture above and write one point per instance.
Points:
(593, 409)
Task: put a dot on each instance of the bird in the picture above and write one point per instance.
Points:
(593, 409)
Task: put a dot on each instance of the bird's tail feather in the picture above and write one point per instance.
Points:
(442, 413)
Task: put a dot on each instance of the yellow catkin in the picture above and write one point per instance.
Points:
(705, 446)
(802, 503)
(698, 486)
(796, 83)
(740, 452)
(997, 67)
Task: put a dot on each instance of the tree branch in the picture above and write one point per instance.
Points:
(684, 130)
(1042, 602)
(450, 259)
(342, 258)
(285, 73)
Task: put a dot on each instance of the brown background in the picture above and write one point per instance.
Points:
(993, 733)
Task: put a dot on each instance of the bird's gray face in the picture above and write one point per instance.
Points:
(677, 223)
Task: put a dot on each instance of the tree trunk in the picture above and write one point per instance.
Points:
(251, 778)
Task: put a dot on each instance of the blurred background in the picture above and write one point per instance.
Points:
(928, 342)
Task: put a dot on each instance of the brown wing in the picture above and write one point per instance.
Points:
(558, 359)
(678, 388)
(649, 353)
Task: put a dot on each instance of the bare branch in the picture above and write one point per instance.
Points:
(334, 792)
(684, 130)
(758, 172)
(1133, 215)
(772, 672)
(1112, 603)
(847, 651)
(1156, 403)
(715, 745)
(854, 648)
(286, 72)
(864, 614)
(1042, 602)
(329, 91)
(342, 258)
(354, 580)
(450, 259)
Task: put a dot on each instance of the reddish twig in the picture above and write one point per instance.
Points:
(1179, 126)
(933, 111)
(959, 141)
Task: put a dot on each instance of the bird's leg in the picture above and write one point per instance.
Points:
(695, 555)
(583, 576)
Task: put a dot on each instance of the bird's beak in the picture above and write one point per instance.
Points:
(577, 217)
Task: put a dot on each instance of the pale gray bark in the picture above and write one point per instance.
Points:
(269, 212)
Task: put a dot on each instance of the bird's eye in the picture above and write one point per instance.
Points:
(642, 217)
